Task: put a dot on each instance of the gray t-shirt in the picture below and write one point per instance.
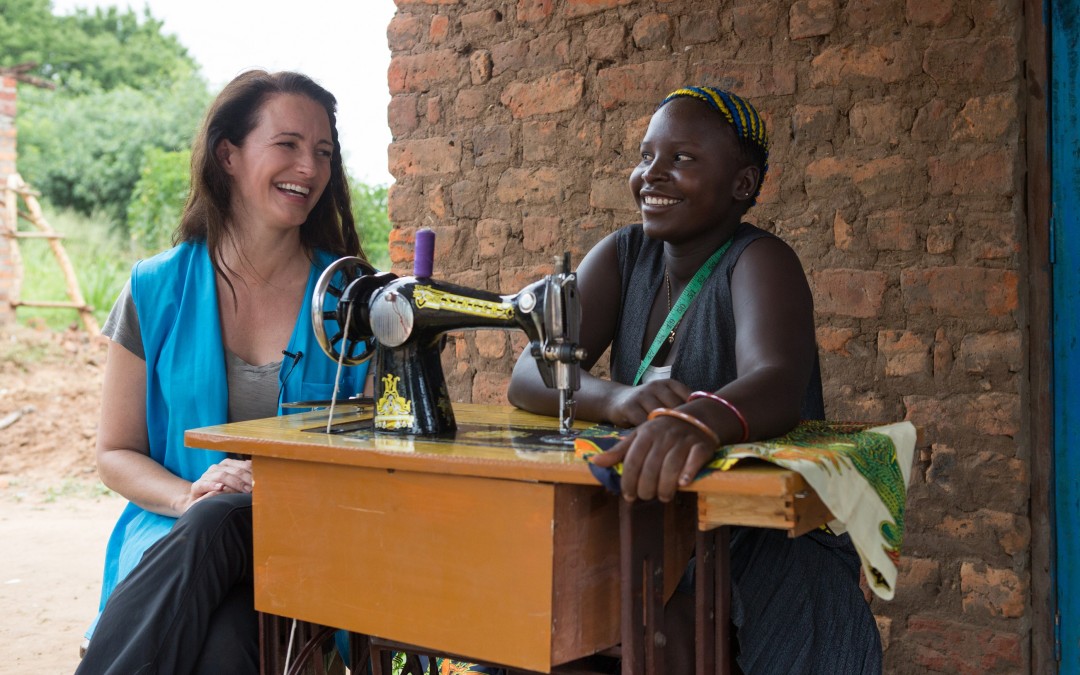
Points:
(253, 390)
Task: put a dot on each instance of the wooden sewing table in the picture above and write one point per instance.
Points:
(486, 549)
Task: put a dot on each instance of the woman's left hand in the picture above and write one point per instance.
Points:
(658, 457)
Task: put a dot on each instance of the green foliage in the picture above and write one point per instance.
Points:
(158, 199)
(85, 152)
(369, 210)
(102, 263)
(106, 48)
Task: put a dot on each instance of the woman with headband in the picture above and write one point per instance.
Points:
(712, 342)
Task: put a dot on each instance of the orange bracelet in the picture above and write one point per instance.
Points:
(730, 406)
(689, 419)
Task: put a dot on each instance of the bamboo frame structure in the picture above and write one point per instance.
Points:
(16, 187)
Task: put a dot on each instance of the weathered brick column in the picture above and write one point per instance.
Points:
(7, 168)
(896, 173)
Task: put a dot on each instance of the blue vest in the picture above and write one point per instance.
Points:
(175, 295)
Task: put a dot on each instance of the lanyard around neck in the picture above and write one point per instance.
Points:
(677, 311)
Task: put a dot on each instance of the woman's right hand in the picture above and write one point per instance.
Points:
(228, 476)
(630, 406)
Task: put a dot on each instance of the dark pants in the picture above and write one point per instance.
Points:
(188, 606)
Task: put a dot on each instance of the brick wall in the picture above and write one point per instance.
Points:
(7, 167)
(897, 174)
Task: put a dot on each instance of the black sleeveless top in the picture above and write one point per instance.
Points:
(706, 356)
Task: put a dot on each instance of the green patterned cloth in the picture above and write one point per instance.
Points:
(860, 472)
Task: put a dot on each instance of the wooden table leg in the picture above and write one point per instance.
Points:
(712, 614)
(641, 563)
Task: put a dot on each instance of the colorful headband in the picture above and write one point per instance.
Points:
(743, 118)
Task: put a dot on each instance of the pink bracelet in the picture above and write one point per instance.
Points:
(689, 419)
(730, 406)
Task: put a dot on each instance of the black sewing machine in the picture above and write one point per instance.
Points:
(358, 313)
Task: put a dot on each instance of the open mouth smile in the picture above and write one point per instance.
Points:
(293, 188)
(654, 200)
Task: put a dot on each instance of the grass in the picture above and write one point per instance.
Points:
(100, 258)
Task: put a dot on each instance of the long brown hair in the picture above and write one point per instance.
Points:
(232, 116)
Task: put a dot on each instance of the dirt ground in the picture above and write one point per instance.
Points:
(55, 515)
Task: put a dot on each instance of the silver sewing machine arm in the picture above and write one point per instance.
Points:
(358, 314)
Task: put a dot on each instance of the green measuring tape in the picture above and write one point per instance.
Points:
(677, 311)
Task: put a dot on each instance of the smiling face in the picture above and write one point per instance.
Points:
(282, 167)
(693, 178)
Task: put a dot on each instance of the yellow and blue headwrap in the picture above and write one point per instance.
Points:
(743, 118)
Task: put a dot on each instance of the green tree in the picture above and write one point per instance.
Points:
(158, 199)
(85, 152)
(104, 47)
(369, 210)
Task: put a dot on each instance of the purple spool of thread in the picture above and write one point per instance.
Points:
(424, 257)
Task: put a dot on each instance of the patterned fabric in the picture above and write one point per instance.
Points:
(860, 472)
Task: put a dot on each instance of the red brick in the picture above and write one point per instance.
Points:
(756, 21)
(969, 60)
(877, 122)
(891, 231)
(552, 93)
(401, 244)
(404, 31)
(932, 121)
(401, 202)
(549, 52)
(904, 353)
(574, 8)
(951, 647)
(466, 197)
(751, 80)
(933, 13)
(540, 233)
(992, 236)
(492, 145)
(491, 236)
(989, 591)
(539, 140)
(834, 340)
(530, 186)
(849, 292)
(533, 11)
(884, 625)
(635, 131)
(890, 178)
(960, 291)
(652, 31)
(986, 119)
(418, 73)
(401, 115)
(472, 103)
(941, 238)
(607, 43)
(987, 531)
(992, 414)
(813, 123)
(992, 352)
(697, 28)
(490, 344)
(482, 22)
(943, 354)
(611, 193)
(424, 157)
(811, 18)
(435, 200)
(489, 387)
(638, 83)
(952, 174)
(870, 14)
(433, 112)
(508, 56)
(406, 3)
(843, 233)
(480, 66)
(850, 66)
(439, 29)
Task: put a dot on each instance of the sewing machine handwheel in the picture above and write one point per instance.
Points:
(328, 320)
